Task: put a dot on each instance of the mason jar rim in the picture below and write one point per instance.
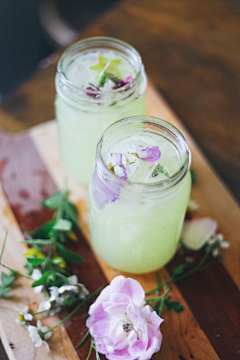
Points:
(99, 40)
(162, 185)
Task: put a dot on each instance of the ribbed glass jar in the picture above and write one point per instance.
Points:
(83, 112)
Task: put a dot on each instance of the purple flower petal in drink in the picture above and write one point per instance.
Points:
(151, 153)
(103, 192)
(92, 89)
(121, 172)
(123, 82)
(114, 159)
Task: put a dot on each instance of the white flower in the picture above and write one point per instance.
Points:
(192, 205)
(37, 334)
(53, 293)
(36, 276)
(23, 316)
(218, 240)
(74, 286)
(49, 308)
(197, 232)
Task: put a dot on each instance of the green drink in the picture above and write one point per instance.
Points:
(99, 81)
(138, 194)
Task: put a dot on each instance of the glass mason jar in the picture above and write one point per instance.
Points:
(135, 227)
(83, 110)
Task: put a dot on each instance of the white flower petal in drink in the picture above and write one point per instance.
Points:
(37, 334)
(197, 232)
(36, 276)
(23, 316)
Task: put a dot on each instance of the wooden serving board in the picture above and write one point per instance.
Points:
(208, 328)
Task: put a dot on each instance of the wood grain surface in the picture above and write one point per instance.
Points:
(191, 52)
(208, 328)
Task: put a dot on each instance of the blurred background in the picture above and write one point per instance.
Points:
(30, 30)
(190, 50)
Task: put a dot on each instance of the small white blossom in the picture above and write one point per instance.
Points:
(74, 286)
(23, 316)
(54, 294)
(37, 334)
(49, 308)
(219, 238)
(36, 276)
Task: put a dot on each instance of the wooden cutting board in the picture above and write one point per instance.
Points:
(208, 328)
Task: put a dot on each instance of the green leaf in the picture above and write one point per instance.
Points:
(115, 79)
(178, 270)
(42, 280)
(174, 305)
(70, 213)
(159, 169)
(51, 276)
(62, 277)
(54, 200)
(43, 232)
(7, 279)
(29, 267)
(4, 290)
(68, 255)
(36, 261)
(103, 78)
(63, 225)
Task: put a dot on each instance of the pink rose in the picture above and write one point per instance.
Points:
(123, 327)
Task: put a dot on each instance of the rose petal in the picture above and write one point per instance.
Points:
(197, 231)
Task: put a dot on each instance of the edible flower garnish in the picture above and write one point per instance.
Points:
(123, 82)
(107, 69)
(104, 193)
(124, 165)
(115, 164)
(151, 153)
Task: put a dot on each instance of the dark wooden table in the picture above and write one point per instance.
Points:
(191, 53)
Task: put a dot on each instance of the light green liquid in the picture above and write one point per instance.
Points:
(80, 128)
(141, 236)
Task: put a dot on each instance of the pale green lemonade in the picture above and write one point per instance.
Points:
(85, 106)
(138, 230)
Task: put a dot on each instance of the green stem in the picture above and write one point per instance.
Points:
(181, 277)
(206, 255)
(97, 354)
(158, 282)
(16, 272)
(41, 312)
(90, 350)
(165, 290)
(164, 280)
(75, 310)
(84, 339)
(4, 243)
(162, 353)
